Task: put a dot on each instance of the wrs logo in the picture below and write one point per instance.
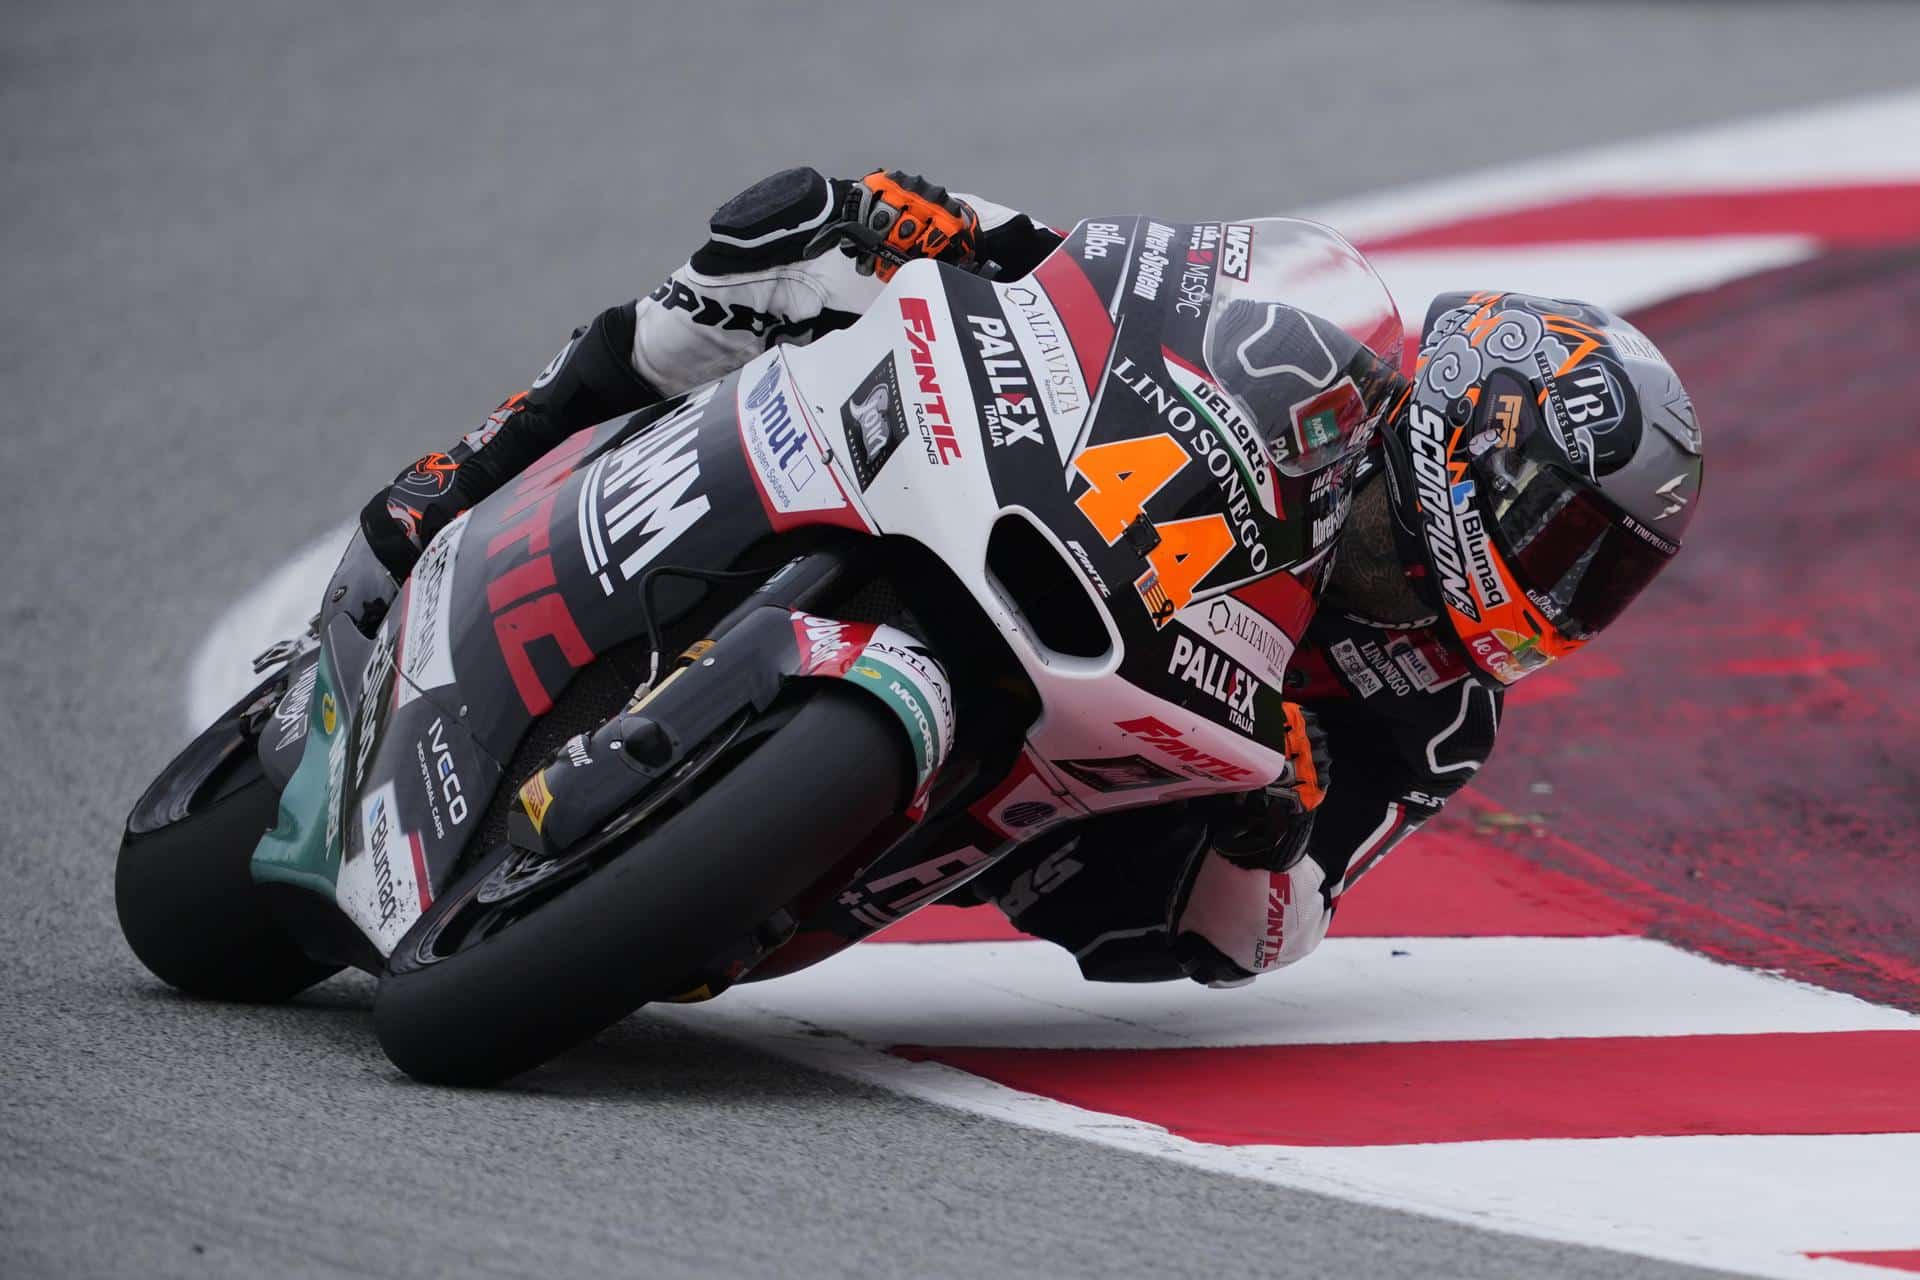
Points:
(930, 406)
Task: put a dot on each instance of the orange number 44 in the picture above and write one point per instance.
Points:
(1123, 476)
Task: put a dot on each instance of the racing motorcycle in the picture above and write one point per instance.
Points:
(716, 690)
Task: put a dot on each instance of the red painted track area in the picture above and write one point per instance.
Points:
(1747, 741)
(1481, 1090)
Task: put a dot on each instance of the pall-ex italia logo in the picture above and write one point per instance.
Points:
(1012, 414)
(930, 406)
(1429, 439)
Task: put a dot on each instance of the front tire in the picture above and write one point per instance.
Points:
(636, 928)
(183, 884)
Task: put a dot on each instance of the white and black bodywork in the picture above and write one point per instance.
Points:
(718, 688)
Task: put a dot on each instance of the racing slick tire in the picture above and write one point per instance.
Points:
(183, 883)
(634, 928)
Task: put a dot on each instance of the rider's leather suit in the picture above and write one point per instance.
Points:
(1139, 897)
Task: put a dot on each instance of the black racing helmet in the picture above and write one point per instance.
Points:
(1546, 464)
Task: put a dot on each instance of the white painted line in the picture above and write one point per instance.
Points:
(1638, 1195)
(1846, 142)
(1623, 275)
(277, 607)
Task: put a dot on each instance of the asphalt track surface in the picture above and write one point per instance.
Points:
(256, 256)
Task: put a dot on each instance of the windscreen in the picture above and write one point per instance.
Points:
(1304, 337)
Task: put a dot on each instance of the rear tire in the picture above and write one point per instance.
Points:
(636, 928)
(184, 888)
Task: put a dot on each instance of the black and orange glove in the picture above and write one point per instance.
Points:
(403, 518)
(1268, 829)
(889, 218)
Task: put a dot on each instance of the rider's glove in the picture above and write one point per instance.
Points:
(889, 218)
(1268, 829)
(401, 519)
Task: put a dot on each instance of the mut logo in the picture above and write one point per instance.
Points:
(930, 408)
(1171, 741)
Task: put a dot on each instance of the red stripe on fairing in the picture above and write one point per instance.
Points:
(952, 924)
(1089, 327)
(420, 870)
(1360, 1095)
(1175, 358)
(1281, 599)
(1893, 1259)
(1862, 214)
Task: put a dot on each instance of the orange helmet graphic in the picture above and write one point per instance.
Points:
(1546, 462)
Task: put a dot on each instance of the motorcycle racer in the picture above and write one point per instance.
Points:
(1535, 473)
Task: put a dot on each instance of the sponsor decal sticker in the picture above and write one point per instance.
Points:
(1236, 250)
(875, 421)
(1428, 438)
(427, 642)
(1037, 328)
(1209, 448)
(291, 714)
(1012, 415)
(1172, 743)
(930, 411)
(384, 891)
(1243, 634)
(638, 499)
(1153, 261)
(536, 799)
(1210, 672)
(1347, 655)
(1100, 237)
(792, 471)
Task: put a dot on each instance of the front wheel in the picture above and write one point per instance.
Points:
(183, 885)
(520, 986)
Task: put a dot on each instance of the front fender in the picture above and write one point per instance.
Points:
(716, 687)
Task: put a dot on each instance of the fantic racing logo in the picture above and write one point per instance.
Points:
(930, 407)
(1429, 438)
(1171, 741)
(1012, 414)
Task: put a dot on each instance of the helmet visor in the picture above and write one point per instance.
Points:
(1578, 557)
